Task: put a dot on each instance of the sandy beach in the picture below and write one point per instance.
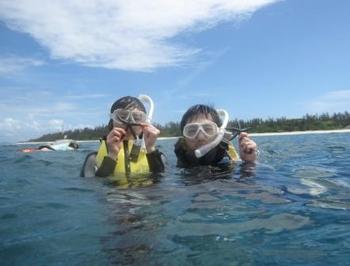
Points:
(300, 132)
(252, 134)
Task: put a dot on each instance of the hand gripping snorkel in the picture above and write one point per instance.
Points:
(200, 152)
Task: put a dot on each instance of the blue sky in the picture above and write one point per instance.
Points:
(62, 64)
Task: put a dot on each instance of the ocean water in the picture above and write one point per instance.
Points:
(291, 208)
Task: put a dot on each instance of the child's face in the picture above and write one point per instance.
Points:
(201, 138)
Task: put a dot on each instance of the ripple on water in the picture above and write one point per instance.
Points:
(78, 189)
(51, 205)
(272, 225)
(7, 216)
(330, 204)
(314, 178)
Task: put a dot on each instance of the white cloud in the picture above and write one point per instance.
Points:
(13, 64)
(9, 124)
(32, 108)
(118, 34)
(29, 114)
(13, 129)
(334, 101)
(56, 124)
(12, 125)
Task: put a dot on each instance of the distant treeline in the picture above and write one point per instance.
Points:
(308, 122)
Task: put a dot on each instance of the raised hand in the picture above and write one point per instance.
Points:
(150, 135)
(114, 141)
(247, 148)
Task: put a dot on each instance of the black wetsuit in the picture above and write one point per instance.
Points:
(187, 159)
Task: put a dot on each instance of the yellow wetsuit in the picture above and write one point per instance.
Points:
(139, 167)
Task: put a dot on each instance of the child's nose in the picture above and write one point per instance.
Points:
(201, 135)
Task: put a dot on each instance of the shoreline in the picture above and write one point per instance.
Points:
(307, 132)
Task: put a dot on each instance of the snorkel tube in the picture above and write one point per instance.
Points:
(146, 99)
(200, 152)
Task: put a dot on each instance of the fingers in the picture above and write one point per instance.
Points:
(246, 145)
(119, 129)
(150, 134)
(243, 135)
(149, 130)
(248, 148)
(116, 135)
(145, 124)
(244, 138)
(118, 132)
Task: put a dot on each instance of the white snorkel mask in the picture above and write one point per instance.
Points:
(200, 152)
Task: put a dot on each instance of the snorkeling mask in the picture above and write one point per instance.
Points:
(128, 118)
(124, 116)
(200, 152)
(209, 129)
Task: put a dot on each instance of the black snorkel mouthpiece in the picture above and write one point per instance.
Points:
(135, 150)
(236, 131)
(126, 157)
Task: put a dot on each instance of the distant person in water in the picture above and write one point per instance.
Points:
(203, 142)
(129, 146)
(54, 147)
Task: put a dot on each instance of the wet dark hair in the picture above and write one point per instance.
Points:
(74, 145)
(200, 109)
(127, 102)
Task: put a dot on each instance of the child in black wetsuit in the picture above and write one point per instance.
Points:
(200, 126)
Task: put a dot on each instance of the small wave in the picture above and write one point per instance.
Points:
(272, 225)
(330, 204)
(7, 216)
(78, 189)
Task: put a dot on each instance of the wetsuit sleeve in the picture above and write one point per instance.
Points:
(90, 168)
(180, 154)
(107, 167)
(181, 163)
(156, 161)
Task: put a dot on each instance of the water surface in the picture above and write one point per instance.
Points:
(292, 208)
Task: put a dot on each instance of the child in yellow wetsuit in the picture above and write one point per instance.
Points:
(122, 151)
